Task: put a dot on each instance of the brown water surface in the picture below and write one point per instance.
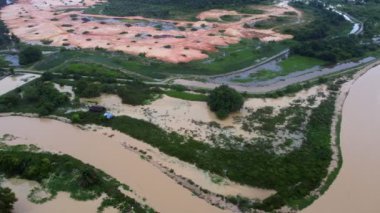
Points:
(357, 187)
(161, 192)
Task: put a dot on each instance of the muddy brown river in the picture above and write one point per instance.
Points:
(161, 192)
(357, 187)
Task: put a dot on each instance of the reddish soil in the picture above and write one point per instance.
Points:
(49, 22)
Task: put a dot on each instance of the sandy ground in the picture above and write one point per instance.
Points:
(62, 203)
(10, 83)
(65, 89)
(193, 118)
(37, 21)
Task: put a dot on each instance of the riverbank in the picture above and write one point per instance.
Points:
(134, 171)
(356, 180)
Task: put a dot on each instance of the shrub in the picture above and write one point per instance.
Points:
(7, 199)
(30, 55)
(224, 100)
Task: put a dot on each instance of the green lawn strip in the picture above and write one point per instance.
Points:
(186, 96)
(63, 173)
(292, 64)
(93, 70)
(299, 63)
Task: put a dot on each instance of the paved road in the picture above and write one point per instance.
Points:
(282, 81)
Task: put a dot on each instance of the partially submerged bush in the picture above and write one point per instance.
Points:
(223, 100)
(30, 55)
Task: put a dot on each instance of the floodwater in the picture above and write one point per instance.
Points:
(191, 118)
(161, 192)
(357, 187)
(10, 83)
(62, 203)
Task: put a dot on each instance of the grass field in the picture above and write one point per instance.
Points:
(186, 96)
(226, 59)
(292, 64)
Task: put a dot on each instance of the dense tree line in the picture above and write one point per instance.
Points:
(5, 37)
(39, 96)
(133, 92)
(7, 199)
(165, 8)
(320, 38)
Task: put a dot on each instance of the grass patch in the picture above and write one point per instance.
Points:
(186, 95)
(292, 64)
(230, 18)
(298, 63)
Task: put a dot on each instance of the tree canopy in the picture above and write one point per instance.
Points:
(224, 100)
(7, 199)
(30, 55)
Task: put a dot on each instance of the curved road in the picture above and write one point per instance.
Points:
(357, 187)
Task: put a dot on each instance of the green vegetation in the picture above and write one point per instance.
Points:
(366, 11)
(297, 63)
(37, 97)
(230, 18)
(30, 55)
(7, 199)
(63, 173)
(5, 38)
(223, 100)
(92, 70)
(249, 10)
(326, 36)
(167, 9)
(293, 175)
(186, 95)
(274, 22)
(292, 64)
(226, 59)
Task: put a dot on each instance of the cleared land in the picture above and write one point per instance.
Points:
(60, 23)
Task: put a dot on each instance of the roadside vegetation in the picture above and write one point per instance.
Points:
(292, 64)
(322, 37)
(226, 59)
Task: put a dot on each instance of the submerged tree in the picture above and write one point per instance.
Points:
(7, 199)
(223, 100)
(30, 55)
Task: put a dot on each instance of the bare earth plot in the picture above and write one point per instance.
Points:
(63, 23)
